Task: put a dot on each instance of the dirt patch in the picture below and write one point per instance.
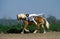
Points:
(48, 35)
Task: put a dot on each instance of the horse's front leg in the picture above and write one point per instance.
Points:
(43, 28)
(25, 26)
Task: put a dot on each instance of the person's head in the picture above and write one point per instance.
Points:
(27, 15)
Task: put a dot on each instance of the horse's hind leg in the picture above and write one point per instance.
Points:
(43, 28)
(37, 28)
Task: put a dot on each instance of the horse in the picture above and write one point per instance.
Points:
(37, 20)
(23, 16)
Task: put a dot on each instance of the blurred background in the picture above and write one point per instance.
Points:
(10, 8)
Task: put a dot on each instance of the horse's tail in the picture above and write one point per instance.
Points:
(47, 23)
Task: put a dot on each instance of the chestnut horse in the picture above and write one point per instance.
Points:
(39, 22)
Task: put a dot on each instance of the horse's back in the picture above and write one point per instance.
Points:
(39, 19)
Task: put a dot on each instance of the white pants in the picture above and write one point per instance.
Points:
(32, 19)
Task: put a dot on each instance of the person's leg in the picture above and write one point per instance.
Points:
(34, 21)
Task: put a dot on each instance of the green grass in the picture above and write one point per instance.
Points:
(4, 28)
(55, 27)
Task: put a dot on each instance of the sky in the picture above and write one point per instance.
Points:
(10, 8)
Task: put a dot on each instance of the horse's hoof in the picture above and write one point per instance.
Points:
(35, 31)
(44, 32)
(22, 32)
(27, 30)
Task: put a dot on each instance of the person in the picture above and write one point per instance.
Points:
(31, 17)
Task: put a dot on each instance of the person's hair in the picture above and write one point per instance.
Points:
(27, 15)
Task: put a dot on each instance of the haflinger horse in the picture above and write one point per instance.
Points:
(38, 20)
